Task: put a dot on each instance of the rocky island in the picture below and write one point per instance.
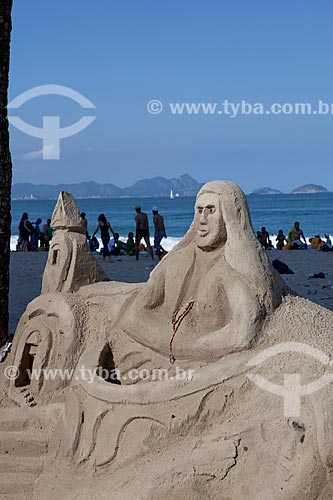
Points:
(309, 189)
(266, 190)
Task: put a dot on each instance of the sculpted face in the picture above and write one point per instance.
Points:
(211, 231)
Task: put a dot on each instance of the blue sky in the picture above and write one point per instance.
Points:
(120, 55)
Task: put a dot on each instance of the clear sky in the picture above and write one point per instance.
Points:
(122, 54)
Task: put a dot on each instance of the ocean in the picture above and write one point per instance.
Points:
(314, 211)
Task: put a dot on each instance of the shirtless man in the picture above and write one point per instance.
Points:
(142, 231)
(160, 232)
(263, 237)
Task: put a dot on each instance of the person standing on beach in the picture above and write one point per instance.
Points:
(104, 226)
(160, 232)
(25, 229)
(47, 234)
(36, 234)
(142, 231)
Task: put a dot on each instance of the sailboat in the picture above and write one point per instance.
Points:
(171, 195)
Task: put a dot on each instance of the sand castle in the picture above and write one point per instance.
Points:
(178, 387)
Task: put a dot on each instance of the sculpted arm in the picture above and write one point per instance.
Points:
(153, 295)
(243, 326)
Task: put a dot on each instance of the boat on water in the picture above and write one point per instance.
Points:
(171, 195)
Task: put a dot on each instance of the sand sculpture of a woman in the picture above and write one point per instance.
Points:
(219, 272)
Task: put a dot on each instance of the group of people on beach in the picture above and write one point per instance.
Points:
(295, 240)
(31, 236)
(114, 246)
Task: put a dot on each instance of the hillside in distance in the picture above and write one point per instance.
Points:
(309, 188)
(266, 190)
(184, 185)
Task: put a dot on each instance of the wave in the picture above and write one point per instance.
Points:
(167, 243)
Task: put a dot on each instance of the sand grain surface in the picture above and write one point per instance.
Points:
(27, 273)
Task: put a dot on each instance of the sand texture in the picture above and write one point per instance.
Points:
(27, 273)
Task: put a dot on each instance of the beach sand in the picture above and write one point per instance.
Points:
(27, 272)
(305, 263)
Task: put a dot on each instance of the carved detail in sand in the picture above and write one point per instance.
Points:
(47, 338)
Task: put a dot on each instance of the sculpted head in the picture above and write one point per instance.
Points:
(210, 226)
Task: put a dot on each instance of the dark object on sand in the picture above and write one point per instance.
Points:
(317, 275)
(298, 427)
(281, 267)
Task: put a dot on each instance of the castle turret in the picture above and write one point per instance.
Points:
(70, 264)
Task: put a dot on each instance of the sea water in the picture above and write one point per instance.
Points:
(313, 211)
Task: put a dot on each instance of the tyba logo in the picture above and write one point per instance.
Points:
(51, 133)
(291, 390)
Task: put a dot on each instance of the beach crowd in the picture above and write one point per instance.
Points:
(31, 236)
(295, 240)
(35, 237)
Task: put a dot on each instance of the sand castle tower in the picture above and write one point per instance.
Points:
(48, 335)
(70, 264)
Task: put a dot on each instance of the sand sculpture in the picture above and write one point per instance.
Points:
(70, 264)
(48, 333)
(208, 429)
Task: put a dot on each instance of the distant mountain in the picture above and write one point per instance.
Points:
(81, 190)
(309, 188)
(184, 185)
(266, 190)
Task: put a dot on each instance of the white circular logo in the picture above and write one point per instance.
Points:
(155, 107)
(11, 372)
